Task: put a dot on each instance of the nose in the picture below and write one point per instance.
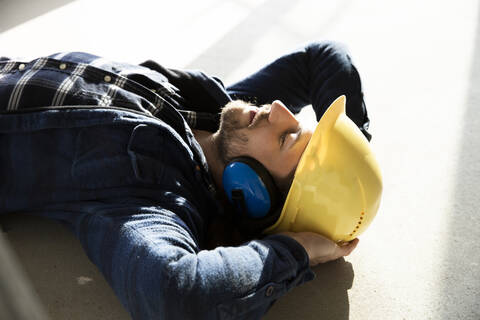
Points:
(281, 116)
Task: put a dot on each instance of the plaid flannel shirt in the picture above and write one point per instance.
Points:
(82, 79)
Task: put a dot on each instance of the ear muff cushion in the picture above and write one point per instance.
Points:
(255, 182)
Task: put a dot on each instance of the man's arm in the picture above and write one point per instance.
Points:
(315, 74)
(152, 261)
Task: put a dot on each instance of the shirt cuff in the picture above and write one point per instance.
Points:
(300, 260)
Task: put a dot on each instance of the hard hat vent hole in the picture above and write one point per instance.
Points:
(358, 224)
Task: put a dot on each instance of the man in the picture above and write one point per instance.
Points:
(131, 158)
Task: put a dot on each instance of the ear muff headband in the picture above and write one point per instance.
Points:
(250, 187)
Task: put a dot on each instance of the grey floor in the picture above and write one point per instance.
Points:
(420, 64)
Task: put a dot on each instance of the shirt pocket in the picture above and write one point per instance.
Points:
(101, 158)
(146, 155)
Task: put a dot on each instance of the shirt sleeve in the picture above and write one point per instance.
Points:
(152, 261)
(315, 74)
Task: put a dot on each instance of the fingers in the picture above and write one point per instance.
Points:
(347, 248)
(321, 249)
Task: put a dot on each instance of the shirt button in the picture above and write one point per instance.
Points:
(269, 291)
(107, 78)
(63, 66)
(198, 174)
(21, 67)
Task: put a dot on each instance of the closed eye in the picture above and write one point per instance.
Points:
(283, 137)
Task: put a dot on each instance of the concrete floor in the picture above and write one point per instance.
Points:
(420, 64)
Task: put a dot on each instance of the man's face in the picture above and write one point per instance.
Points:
(271, 134)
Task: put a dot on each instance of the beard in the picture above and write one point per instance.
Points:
(231, 143)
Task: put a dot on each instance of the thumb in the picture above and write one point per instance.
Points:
(347, 248)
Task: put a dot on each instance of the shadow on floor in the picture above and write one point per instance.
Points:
(15, 12)
(235, 46)
(17, 298)
(326, 297)
(68, 284)
(461, 283)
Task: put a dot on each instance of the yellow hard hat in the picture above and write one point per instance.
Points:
(337, 185)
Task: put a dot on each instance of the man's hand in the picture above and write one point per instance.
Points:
(321, 249)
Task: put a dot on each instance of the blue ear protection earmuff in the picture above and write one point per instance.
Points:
(251, 189)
